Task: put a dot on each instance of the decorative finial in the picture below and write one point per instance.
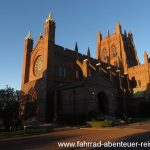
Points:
(41, 35)
(145, 52)
(28, 36)
(50, 17)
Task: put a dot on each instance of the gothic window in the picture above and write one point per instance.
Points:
(114, 51)
(32, 96)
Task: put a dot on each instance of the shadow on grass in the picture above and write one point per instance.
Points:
(33, 142)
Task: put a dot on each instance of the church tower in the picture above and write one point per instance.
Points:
(50, 28)
(38, 71)
(27, 55)
(117, 49)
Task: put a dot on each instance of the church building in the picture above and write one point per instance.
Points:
(57, 81)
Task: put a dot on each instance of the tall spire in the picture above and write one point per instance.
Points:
(125, 33)
(50, 17)
(118, 28)
(76, 47)
(88, 52)
(28, 36)
(145, 57)
(108, 33)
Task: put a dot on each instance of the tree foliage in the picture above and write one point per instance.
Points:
(9, 106)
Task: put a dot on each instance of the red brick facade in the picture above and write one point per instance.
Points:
(62, 81)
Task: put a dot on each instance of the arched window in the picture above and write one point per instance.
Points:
(30, 108)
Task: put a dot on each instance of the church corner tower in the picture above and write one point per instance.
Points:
(50, 28)
(49, 38)
(26, 61)
(38, 71)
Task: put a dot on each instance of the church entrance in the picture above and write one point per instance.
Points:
(102, 102)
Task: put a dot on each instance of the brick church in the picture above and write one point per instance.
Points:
(58, 81)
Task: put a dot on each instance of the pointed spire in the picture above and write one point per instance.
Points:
(130, 35)
(108, 33)
(88, 53)
(41, 35)
(99, 36)
(28, 36)
(76, 47)
(125, 33)
(118, 28)
(50, 17)
(145, 57)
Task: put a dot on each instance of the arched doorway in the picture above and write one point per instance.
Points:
(31, 104)
(102, 102)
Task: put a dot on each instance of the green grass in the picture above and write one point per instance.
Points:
(99, 123)
(28, 132)
(11, 133)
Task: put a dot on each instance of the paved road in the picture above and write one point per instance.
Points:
(133, 133)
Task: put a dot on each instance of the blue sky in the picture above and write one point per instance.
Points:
(76, 20)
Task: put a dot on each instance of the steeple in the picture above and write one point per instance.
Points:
(145, 57)
(118, 28)
(125, 33)
(28, 36)
(76, 47)
(99, 37)
(108, 33)
(130, 35)
(50, 28)
(88, 53)
(50, 17)
(28, 47)
(29, 42)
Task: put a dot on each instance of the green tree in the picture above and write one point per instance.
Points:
(9, 106)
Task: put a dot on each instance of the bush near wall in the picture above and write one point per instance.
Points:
(99, 123)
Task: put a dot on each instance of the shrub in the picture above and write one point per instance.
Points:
(99, 124)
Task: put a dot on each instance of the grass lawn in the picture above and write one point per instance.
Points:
(27, 132)
(100, 123)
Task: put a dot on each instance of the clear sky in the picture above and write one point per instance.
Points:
(76, 20)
